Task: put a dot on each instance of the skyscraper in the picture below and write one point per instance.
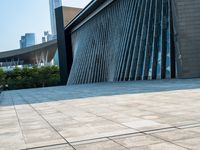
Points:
(53, 4)
(27, 40)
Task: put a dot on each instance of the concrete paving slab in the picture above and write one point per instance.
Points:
(106, 145)
(127, 115)
(175, 135)
(160, 146)
(137, 141)
(190, 143)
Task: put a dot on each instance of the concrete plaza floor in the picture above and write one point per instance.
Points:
(141, 115)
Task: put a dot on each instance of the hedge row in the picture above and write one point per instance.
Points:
(30, 77)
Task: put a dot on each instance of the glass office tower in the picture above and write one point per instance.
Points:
(27, 40)
(53, 4)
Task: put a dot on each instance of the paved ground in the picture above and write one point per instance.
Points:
(151, 115)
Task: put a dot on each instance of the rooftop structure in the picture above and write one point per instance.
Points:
(33, 55)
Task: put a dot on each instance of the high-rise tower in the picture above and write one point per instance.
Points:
(53, 4)
(27, 40)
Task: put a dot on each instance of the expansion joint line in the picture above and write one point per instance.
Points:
(18, 119)
(168, 141)
(118, 143)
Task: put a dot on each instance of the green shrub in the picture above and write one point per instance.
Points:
(30, 77)
(2, 79)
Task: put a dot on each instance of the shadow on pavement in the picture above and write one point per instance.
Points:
(51, 94)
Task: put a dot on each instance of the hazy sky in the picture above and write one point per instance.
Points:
(22, 16)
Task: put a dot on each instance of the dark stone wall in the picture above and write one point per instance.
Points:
(64, 47)
(186, 15)
(126, 40)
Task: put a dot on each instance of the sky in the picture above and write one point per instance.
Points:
(26, 16)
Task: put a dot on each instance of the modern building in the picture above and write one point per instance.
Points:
(43, 39)
(120, 40)
(53, 4)
(41, 54)
(27, 40)
(47, 37)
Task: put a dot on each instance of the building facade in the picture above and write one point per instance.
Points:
(64, 15)
(27, 40)
(53, 4)
(123, 40)
(186, 16)
(47, 37)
